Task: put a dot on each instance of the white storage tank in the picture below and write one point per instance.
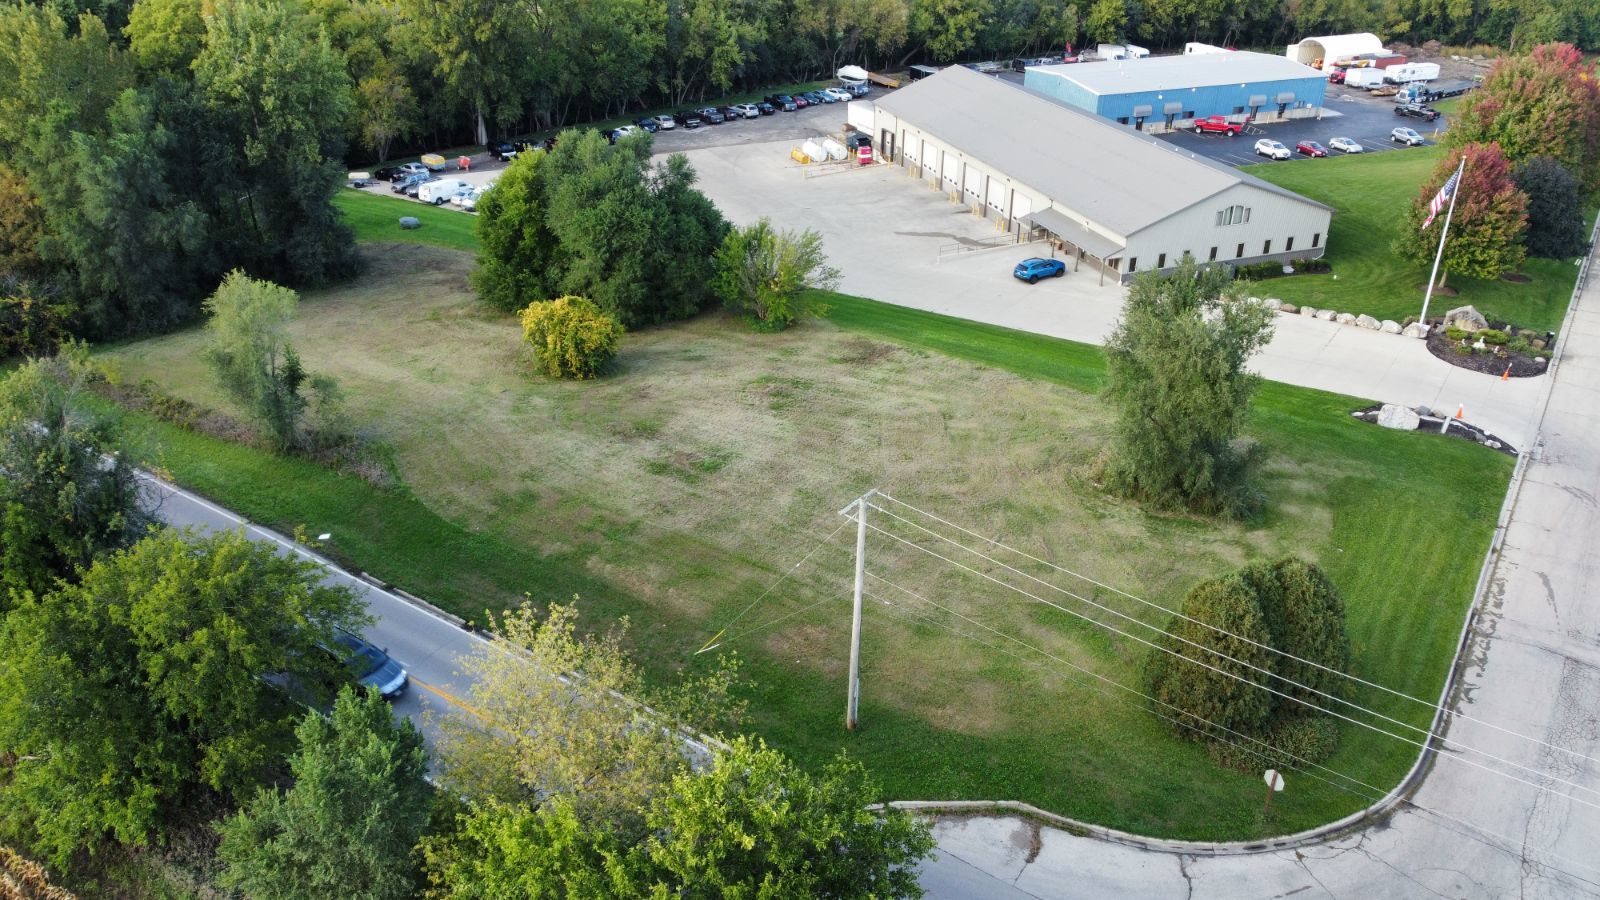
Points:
(833, 148)
(813, 150)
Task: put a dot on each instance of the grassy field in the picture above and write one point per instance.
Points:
(1370, 192)
(376, 218)
(682, 486)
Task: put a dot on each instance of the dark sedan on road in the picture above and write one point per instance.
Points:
(372, 668)
(1035, 268)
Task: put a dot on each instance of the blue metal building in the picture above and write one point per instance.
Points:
(1167, 92)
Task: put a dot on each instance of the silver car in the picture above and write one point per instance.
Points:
(1345, 145)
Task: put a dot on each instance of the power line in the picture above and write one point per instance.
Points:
(713, 643)
(1432, 706)
(1270, 690)
(1377, 792)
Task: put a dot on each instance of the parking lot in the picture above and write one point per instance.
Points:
(1348, 112)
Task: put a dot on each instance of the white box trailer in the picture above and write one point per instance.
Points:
(860, 115)
(1364, 78)
(438, 192)
(1409, 72)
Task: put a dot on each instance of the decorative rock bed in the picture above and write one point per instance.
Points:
(1421, 418)
(1387, 326)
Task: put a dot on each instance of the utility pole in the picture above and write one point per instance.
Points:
(852, 708)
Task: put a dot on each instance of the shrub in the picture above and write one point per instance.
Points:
(1258, 271)
(771, 274)
(1311, 266)
(1456, 334)
(1519, 345)
(1291, 745)
(571, 336)
(1493, 336)
(32, 326)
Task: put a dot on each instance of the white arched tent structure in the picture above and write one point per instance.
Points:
(1332, 47)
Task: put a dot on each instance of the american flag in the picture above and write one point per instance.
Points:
(1441, 198)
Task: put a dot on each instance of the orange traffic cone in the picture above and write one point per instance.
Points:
(1460, 410)
(1506, 375)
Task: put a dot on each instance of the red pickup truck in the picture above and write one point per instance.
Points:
(1217, 124)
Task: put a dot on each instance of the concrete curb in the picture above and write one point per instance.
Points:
(1424, 763)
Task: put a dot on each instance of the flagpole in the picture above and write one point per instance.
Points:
(1443, 233)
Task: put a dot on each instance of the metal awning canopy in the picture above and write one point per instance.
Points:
(1059, 224)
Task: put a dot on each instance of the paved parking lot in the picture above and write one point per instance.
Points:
(1348, 113)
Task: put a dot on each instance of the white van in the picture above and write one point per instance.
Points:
(439, 192)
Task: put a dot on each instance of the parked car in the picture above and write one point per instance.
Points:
(372, 667)
(648, 124)
(688, 119)
(1336, 76)
(408, 184)
(784, 102)
(1311, 149)
(470, 201)
(665, 122)
(1271, 149)
(439, 190)
(385, 173)
(1406, 136)
(746, 110)
(1217, 125)
(859, 89)
(1416, 111)
(710, 115)
(502, 150)
(731, 113)
(408, 170)
(623, 131)
(839, 94)
(820, 97)
(1345, 145)
(1034, 268)
(799, 101)
(765, 108)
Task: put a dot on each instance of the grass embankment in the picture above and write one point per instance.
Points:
(1370, 193)
(376, 218)
(678, 489)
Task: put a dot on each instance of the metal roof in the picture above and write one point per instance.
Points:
(1121, 179)
(1179, 73)
(1063, 226)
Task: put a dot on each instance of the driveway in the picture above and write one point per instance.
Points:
(897, 241)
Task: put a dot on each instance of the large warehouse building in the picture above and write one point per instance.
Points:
(1119, 200)
(1171, 91)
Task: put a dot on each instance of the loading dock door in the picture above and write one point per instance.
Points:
(952, 173)
(1021, 205)
(997, 197)
(974, 185)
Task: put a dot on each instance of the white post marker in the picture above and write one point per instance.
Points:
(1274, 784)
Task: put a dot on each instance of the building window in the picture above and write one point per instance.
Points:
(1238, 110)
(1233, 215)
(1188, 114)
(1288, 245)
(1161, 261)
(1133, 264)
(1266, 248)
(1122, 120)
(1316, 240)
(1240, 253)
(1213, 254)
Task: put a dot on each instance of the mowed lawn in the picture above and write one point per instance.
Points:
(1370, 193)
(681, 487)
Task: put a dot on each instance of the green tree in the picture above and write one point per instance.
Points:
(386, 109)
(359, 804)
(1490, 217)
(520, 260)
(21, 226)
(1176, 378)
(156, 678)
(768, 274)
(1106, 21)
(756, 825)
(71, 491)
(1555, 208)
(546, 852)
(539, 736)
(281, 92)
(1316, 649)
(571, 336)
(484, 52)
(254, 361)
(1193, 683)
(1546, 103)
(165, 36)
(947, 29)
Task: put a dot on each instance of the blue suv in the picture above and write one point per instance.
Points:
(1034, 268)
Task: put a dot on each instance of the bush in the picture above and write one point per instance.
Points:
(1258, 271)
(1311, 266)
(1456, 334)
(1519, 345)
(1291, 745)
(571, 336)
(1493, 336)
(32, 326)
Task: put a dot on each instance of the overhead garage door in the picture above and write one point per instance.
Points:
(1021, 205)
(974, 184)
(952, 172)
(997, 195)
(913, 147)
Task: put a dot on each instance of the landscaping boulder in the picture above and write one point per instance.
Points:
(1345, 319)
(1366, 321)
(1466, 318)
(1538, 344)
(1308, 310)
(1272, 303)
(410, 222)
(1415, 330)
(1326, 315)
(1288, 309)
(1395, 416)
(1389, 326)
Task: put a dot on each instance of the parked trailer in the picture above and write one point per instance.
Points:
(1428, 93)
(1411, 72)
(1364, 78)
